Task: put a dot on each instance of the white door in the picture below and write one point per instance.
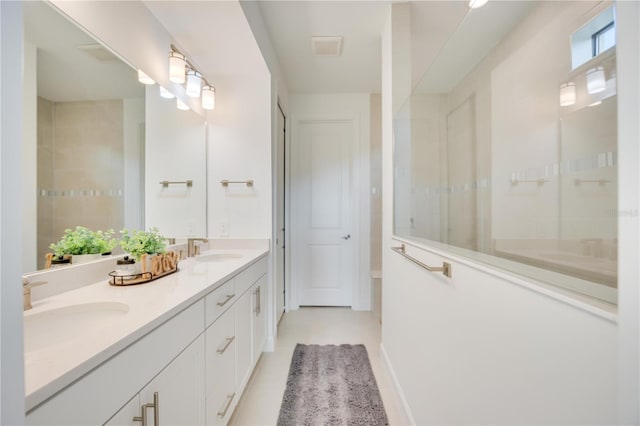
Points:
(322, 208)
(280, 210)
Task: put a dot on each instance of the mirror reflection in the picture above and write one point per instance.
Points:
(506, 150)
(85, 114)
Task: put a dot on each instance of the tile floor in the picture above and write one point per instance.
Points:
(260, 403)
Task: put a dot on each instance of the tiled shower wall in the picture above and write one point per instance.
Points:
(80, 168)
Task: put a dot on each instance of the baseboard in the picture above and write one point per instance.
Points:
(397, 388)
(269, 345)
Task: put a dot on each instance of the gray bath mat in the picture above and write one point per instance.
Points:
(331, 385)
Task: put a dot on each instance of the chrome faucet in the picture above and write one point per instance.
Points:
(192, 248)
(26, 292)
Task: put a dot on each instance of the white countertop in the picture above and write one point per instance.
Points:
(50, 369)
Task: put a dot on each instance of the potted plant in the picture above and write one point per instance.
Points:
(84, 244)
(137, 242)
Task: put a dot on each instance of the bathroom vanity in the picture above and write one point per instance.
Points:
(178, 350)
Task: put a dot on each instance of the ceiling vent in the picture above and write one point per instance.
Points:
(326, 46)
(98, 52)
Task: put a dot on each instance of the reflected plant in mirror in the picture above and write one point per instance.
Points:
(510, 157)
(85, 110)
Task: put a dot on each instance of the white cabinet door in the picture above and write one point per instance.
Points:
(125, 416)
(243, 316)
(180, 389)
(220, 369)
(259, 293)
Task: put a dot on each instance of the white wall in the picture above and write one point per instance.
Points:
(628, 16)
(322, 106)
(11, 353)
(239, 137)
(176, 151)
(479, 348)
(134, 130)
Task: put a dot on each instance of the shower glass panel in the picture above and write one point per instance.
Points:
(506, 154)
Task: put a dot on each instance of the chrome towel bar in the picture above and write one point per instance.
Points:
(445, 268)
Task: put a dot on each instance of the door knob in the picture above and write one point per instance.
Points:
(346, 237)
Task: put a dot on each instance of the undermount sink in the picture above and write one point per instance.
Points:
(218, 257)
(54, 326)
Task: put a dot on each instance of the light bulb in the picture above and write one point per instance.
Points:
(181, 105)
(177, 65)
(568, 94)
(166, 94)
(474, 4)
(208, 97)
(145, 79)
(595, 80)
(194, 81)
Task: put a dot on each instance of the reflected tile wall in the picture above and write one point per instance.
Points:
(81, 167)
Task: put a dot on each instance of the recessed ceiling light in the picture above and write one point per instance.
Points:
(326, 46)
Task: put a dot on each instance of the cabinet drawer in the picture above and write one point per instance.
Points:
(246, 278)
(219, 300)
(220, 370)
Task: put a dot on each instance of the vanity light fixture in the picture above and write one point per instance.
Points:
(177, 66)
(181, 105)
(194, 83)
(208, 97)
(144, 78)
(474, 4)
(567, 94)
(166, 94)
(197, 85)
(596, 82)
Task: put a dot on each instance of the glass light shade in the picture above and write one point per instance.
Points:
(208, 97)
(474, 4)
(194, 82)
(145, 79)
(177, 67)
(181, 105)
(568, 94)
(596, 82)
(166, 94)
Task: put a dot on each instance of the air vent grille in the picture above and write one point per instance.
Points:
(326, 45)
(98, 52)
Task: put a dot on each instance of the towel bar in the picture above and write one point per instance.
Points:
(445, 268)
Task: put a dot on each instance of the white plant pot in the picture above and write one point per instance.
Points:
(84, 258)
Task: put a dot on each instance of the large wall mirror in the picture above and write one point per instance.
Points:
(85, 138)
(505, 151)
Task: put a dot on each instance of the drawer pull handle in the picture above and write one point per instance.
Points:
(156, 412)
(226, 345)
(226, 405)
(226, 300)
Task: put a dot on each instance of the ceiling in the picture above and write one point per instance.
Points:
(291, 24)
(66, 73)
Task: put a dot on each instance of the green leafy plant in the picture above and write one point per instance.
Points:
(84, 241)
(137, 243)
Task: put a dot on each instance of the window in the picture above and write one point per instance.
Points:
(603, 39)
(592, 39)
